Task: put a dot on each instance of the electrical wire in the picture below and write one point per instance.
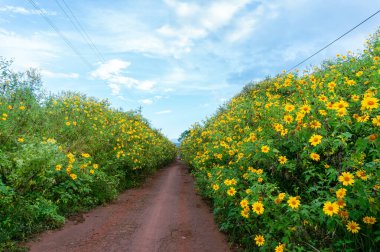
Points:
(56, 29)
(78, 26)
(341, 36)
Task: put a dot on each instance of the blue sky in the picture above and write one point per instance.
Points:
(179, 60)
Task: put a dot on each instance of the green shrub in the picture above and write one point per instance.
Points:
(294, 160)
(65, 153)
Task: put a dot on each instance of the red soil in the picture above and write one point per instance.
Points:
(164, 214)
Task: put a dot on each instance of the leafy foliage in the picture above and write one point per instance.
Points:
(67, 153)
(293, 161)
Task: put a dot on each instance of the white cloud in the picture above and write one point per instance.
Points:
(112, 72)
(146, 101)
(115, 88)
(149, 101)
(266, 11)
(195, 23)
(243, 28)
(175, 76)
(220, 13)
(31, 51)
(110, 68)
(49, 74)
(183, 9)
(294, 51)
(164, 112)
(24, 11)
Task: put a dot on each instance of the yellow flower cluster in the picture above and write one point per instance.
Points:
(314, 135)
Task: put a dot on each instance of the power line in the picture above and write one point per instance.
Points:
(320, 50)
(55, 28)
(77, 25)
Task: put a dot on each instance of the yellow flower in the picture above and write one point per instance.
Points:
(346, 178)
(353, 227)
(341, 203)
(278, 127)
(68, 123)
(245, 175)
(358, 74)
(361, 174)
(315, 156)
(233, 181)
(258, 207)
(376, 121)
(355, 98)
(322, 112)
(282, 159)
(370, 103)
(85, 155)
(280, 248)
(281, 196)
(244, 203)
(260, 240)
(215, 187)
(330, 105)
(51, 140)
(96, 166)
(331, 85)
(341, 193)
(245, 212)
(330, 208)
(350, 82)
(315, 124)
(289, 107)
(362, 118)
(288, 119)
(22, 107)
(315, 139)
(369, 220)
(58, 167)
(227, 182)
(322, 98)
(265, 149)
(231, 191)
(341, 112)
(305, 109)
(73, 176)
(293, 202)
(20, 139)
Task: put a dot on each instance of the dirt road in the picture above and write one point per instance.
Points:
(164, 214)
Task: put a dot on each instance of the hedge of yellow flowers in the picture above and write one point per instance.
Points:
(292, 163)
(67, 153)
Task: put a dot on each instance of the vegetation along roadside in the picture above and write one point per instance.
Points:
(293, 162)
(64, 154)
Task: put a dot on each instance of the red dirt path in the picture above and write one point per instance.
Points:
(164, 214)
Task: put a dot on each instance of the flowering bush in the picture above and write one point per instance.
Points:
(292, 163)
(64, 154)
